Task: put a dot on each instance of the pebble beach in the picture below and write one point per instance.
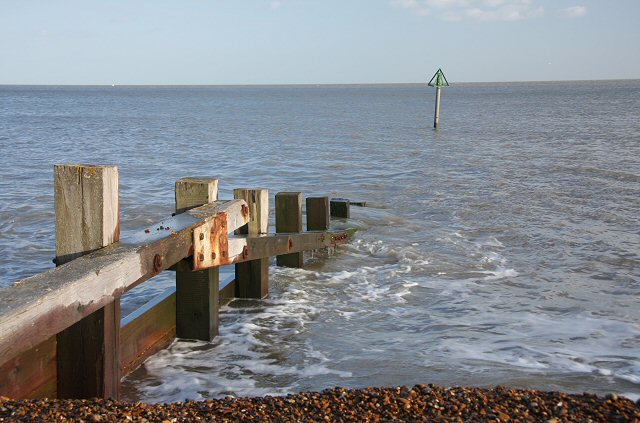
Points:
(417, 403)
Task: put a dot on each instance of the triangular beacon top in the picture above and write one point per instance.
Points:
(440, 80)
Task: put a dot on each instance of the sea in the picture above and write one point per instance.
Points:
(502, 248)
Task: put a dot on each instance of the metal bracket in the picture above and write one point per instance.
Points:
(211, 243)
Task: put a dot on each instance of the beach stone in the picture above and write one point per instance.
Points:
(345, 405)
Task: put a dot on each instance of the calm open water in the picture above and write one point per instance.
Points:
(501, 249)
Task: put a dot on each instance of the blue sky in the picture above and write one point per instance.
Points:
(315, 41)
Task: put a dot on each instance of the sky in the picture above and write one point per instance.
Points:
(221, 42)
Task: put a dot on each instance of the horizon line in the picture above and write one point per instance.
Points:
(311, 84)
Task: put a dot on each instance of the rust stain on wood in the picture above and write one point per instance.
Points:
(211, 243)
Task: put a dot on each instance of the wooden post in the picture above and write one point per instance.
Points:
(317, 213)
(194, 192)
(340, 207)
(196, 292)
(288, 220)
(252, 278)
(87, 218)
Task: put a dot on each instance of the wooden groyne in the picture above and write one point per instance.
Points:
(61, 333)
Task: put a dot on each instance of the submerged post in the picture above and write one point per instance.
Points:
(196, 292)
(317, 213)
(340, 208)
(87, 218)
(438, 81)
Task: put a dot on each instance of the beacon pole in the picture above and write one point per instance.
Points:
(436, 114)
(438, 81)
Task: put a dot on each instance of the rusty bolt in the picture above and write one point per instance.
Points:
(245, 210)
(201, 236)
(157, 263)
(201, 257)
(146, 231)
(213, 255)
(290, 243)
(245, 252)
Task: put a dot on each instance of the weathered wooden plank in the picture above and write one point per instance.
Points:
(340, 208)
(87, 218)
(31, 374)
(252, 277)
(317, 213)
(197, 292)
(289, 219)
(149, 330)
(251, 247)
(243, 248)
(35, 308)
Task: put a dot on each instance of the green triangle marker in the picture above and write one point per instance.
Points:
(440, 80)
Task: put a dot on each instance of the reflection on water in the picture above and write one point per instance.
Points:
(502, 248)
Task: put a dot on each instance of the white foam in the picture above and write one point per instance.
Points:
(500, 273)
(493, 242)
(633, 378)
(460, 313)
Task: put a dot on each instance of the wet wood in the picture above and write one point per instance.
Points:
(88, 355)
(197, 304)
(35, 308)
(61, 332)
(289, 219)
(278, 244)
(317, 213)
(196, 292)
(147, 331)
(340, 208)
(31, 374)
(227, 292)
(252, 277)
(87, 218)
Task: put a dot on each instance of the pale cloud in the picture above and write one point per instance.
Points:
(475, 10)
(408, 4)
(574, 12)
